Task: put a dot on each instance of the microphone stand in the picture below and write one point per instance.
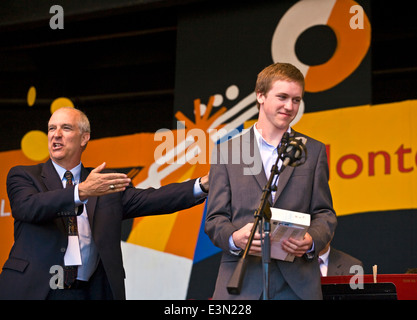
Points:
(262, 213)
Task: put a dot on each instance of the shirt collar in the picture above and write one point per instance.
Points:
(325, 256)
(261, 141)
(76, 172)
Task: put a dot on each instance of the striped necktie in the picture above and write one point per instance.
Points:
(70, 271)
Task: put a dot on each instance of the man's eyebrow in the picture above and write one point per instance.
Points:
(62, 125)
(287, 95)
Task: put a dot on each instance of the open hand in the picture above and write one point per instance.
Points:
(99, 184)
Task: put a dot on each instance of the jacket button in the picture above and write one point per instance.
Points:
(63, 249)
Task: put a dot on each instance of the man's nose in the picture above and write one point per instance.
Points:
(289, 105)
(58, 132)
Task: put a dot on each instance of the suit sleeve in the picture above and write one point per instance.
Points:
(31, 202)
(166, 199)
(218, 224)
(323, 216)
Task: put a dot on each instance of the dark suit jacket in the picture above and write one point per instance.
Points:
(39, 203)
(237, 179)
(340, 262)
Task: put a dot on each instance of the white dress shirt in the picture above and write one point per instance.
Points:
(324, 262)
(269, 154)
(88, 250)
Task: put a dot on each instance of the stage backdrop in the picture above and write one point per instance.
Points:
(371, 148)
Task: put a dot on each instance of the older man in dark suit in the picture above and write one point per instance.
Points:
(68, 217)
(239, 173)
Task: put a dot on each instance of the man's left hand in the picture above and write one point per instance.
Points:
(298, 247)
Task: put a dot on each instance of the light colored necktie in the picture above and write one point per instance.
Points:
(320, 264)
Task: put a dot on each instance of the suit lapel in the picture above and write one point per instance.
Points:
(334, 266)
(257, 169)
(50, 177)
(259, 175)
(92, 201)
(53, 181)
(284, 177)
(283, 180)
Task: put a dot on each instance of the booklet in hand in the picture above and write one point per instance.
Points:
(286, 224)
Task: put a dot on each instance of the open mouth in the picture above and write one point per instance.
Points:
(57, 146)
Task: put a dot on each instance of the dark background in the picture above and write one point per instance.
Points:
(123, 53)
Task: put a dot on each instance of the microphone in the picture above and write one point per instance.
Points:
(292, 155)
(285, 138)
(283, 144)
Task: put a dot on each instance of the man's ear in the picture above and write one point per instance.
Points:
(260, 98)
(85, 138)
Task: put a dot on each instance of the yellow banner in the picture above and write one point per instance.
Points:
(372, 154)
